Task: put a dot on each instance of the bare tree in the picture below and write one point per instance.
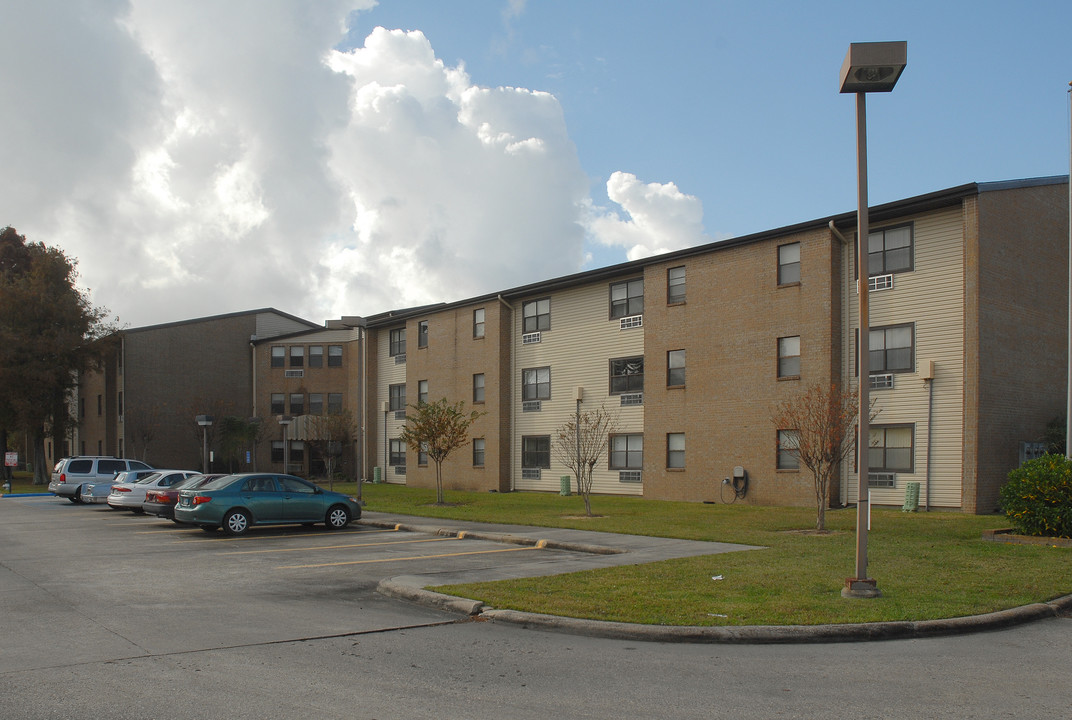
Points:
(438, 428)
(329, 434)
(580, 443)
(141, 426)
(821, 432)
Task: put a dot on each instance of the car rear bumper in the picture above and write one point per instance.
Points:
(64, 489)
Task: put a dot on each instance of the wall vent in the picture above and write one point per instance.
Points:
(293, 373)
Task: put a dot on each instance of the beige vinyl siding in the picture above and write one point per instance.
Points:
(931, 296)
(390, 374)
(578, 349)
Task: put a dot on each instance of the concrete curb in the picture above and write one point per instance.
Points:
(409, 587)
(495, 537)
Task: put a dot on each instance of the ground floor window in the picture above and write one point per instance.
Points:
(787, 445)
(536, 451)
(675, 450)
(890, 448)
(398, 453)
(627, 452)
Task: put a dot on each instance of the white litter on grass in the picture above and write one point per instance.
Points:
(717, 615)
(716, 577)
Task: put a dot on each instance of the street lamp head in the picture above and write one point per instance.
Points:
(873, 67)
(285, 420)
(204, 420)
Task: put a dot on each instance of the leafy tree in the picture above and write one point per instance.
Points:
(1054, 436)
(50, 333)
(236, 436)
(822, 421)
(328, 435)
(580, 443)
(438, 428)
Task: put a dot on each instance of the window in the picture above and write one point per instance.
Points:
(297, 404)
(787, 445)
(789, 357)
(398, 396)
(316, 403)
(536, 384)
(277, 451)
(278, 355)
(398, 453)
(422, 334)
(627, 375)
(675, 450)
(627, 452)
(334, 403)
(627, 298)
(891, 349)
(675, 285)
(536, 315)
(889, 251)
(422, 455)
(789, 264)
(890, 448)
(398, 341)
(478, 452)
(478, 323)
(277, 404)
(334, 355)
(316, 356)
(675, 368)
(536, 451)
(100, 406)
(297, 356)
(422, 391)
(478, 388)
(297, 452)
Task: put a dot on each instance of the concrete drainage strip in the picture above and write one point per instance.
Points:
(410, 587)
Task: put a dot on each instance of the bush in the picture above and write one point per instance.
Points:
(1038, 497)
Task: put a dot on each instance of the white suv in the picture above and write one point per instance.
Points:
(70, 474)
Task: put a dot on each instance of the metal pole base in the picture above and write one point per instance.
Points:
(860, 588)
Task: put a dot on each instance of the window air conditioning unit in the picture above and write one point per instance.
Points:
(628, 399)
(633, 321)
(530, 473)
(882, 382)
(880, 282)
(400, 359)
(531, 406)
(629, 476)
(882, 480)
(530, 338)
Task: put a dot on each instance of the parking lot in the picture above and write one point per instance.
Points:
(88, 583)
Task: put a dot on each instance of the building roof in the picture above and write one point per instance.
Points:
(847, 220)
(224, 316)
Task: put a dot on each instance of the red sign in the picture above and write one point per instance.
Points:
(11, 459)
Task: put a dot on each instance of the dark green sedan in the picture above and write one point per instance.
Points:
(237, 502)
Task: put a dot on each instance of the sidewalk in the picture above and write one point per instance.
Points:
(599, 549)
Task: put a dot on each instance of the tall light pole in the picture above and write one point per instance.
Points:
(205, 421)
(868, 67)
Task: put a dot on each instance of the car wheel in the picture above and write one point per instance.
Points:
(235, 522)
(337, 518)
(137, 511)
(77, 497)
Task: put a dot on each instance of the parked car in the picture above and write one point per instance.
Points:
(237, 502)
(161, 501)
(70, 474)
(131, 496)
(97, 492)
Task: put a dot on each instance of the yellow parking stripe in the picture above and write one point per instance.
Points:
(335, 547)
(415, 557)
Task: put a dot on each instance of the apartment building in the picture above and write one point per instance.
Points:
(307, 395)
(692, 350)
(144, 401)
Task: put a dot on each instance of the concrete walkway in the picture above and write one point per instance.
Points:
(598, 550)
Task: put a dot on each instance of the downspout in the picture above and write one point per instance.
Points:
(513, 424)
(845, 325)
(930, 440)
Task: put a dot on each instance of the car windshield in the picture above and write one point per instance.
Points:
(148, 479)
(193, 480)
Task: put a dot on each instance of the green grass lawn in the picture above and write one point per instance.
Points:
(928, 565)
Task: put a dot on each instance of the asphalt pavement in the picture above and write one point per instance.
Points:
(599, 549)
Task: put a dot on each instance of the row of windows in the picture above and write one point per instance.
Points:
(298, 406)
(298, 359)
(888, 251)
(397, 341)
(890, 449)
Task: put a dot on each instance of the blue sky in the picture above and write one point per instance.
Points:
(207, 157)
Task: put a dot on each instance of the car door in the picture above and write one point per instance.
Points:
(301, 501)
(260, 494)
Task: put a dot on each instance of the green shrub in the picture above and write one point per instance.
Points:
(1038, 497)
